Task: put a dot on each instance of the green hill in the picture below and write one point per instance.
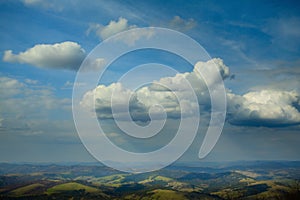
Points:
(71, 187)
(158, 194)
(28, 189)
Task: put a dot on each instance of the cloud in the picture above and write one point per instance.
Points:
(65, 55)
(10, 87)
(1, 119)
(69, 85)
(24, 106)
(30, 2)
(114, 27)
(94, 64)
(268, 108)
(285, 32)
(135, 35)
(163, 92)
(30, 81)
(46, 4)
(181, 24)
(111, 28)
(284, 76)
(104, 95)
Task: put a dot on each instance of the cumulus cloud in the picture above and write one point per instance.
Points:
(181, 24)
(113, 27)
(65, 55)
(172, 93)
(264, 108)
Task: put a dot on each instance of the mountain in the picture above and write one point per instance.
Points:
(238, 180)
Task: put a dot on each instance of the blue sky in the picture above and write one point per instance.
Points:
(257, 41)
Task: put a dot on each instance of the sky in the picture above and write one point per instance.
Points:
(255, 45)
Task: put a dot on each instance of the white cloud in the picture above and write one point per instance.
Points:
(30, 81)
(181, 24)
(163, 92)
(94, 64)
(261, 108)
(70, 85)
(1, 119)
(135, 35)
(265, 108)
(65, 55)
(208, 68)
(10, 87)
(175, 83)
(24, 105)
(285, 32)
(111, 28)
(29, 2)
(114, 27)
(46, 4)
(104, 95)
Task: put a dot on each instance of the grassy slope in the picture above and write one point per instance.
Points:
(70, 187)
(158, 194)
(274, 191)
(165, 195)
(111, 180)
(156, 178)
(22, 191)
